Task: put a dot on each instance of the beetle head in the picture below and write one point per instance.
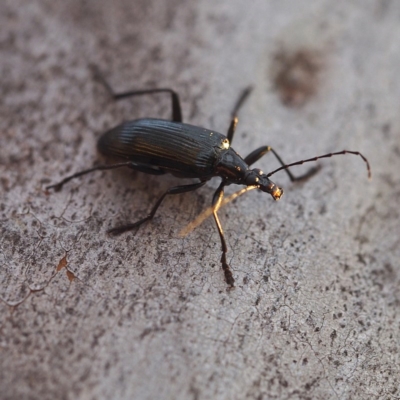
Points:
(257, 177)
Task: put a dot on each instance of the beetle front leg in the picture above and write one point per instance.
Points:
(261, 151)
(217, 199)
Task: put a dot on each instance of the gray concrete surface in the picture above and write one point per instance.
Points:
(147, 315)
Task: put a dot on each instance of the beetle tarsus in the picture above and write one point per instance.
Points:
(229, 279)
(57, 187)
(122, 229)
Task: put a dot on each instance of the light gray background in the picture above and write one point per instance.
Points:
(147, 315)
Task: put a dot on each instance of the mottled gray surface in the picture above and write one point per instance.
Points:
(147, 315)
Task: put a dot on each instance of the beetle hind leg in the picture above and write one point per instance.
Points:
(58, 186)
(176, 104)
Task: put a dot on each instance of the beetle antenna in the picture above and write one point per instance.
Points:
(324, 156)
(209, 211)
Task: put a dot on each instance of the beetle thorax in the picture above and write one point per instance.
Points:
(231, 167)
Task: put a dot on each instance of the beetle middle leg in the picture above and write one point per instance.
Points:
(239, 103)
(216, 202)
(176, 104)
(175, 190)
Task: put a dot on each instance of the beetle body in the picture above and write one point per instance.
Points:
(183, 150)
(158, 146)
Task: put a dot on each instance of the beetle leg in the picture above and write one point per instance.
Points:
(216, 203)
(176, 105)
(261, 151)
(146, 169)
(58, 186)
(232, 128)
(175, 190)
(239, 103)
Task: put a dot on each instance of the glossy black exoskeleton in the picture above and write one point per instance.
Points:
(157, 147)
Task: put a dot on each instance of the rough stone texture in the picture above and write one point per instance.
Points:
(147, 315)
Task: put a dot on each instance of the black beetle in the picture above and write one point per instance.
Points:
(158, 146)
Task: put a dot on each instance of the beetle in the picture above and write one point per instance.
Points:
(159, 146)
